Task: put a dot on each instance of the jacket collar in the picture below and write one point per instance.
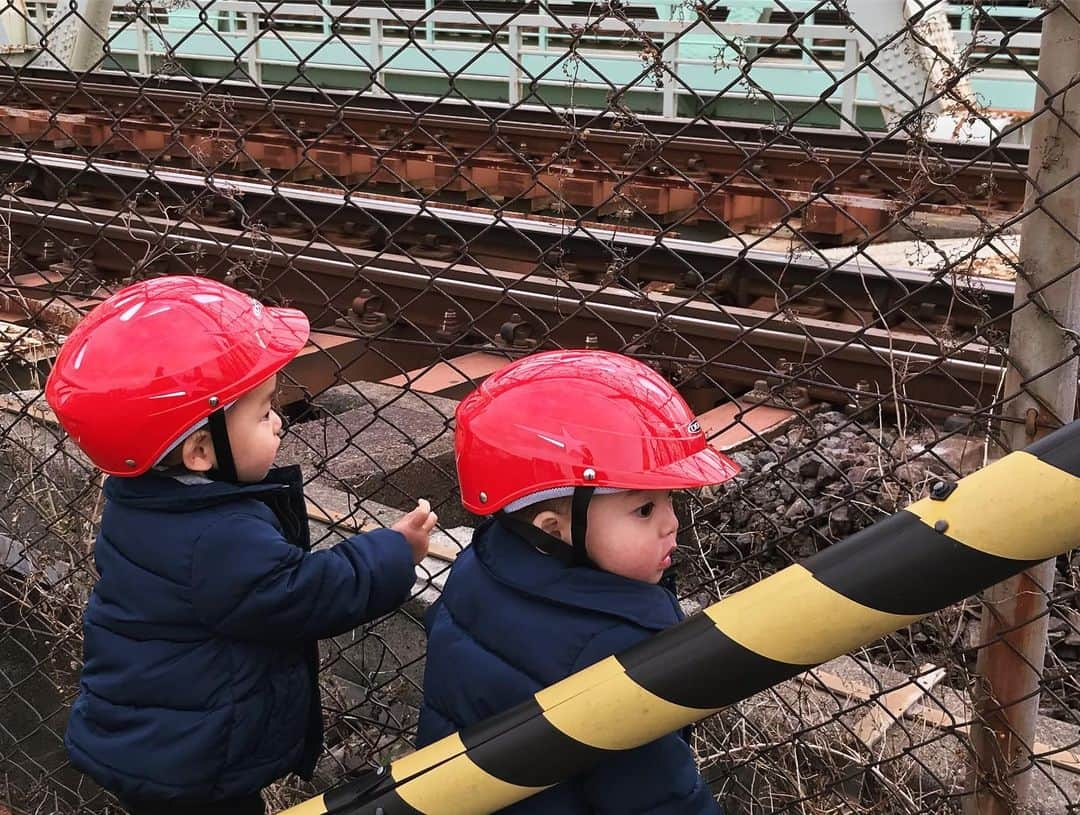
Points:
(157, 491)
(513, 561)
(282, 491)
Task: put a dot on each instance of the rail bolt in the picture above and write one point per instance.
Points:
(50, 254)
(451, 327)
(859, 399)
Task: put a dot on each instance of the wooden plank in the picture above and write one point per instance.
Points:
(733, 424)
(11, 318)
(38, 410)
(891, 707)
(1065, 759)
(337, 519)
(29, 344)
(325, 360)
(452, 378)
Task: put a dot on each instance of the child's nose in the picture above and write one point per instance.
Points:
(668, 519)
(279, 425)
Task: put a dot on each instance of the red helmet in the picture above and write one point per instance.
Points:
(578, 419)
(157, 358)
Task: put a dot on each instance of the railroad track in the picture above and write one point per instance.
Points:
(292, 197)
(831, 187)
(377, 312)
(803, 285)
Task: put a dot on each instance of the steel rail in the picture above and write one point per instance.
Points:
(790, 279)
(735, 345)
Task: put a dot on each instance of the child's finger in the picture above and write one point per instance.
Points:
(430, 521)
(418, 515)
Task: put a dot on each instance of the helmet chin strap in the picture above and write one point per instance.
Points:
(579, 524)
(219, 435)
(574, 555)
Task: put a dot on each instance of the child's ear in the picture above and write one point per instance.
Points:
(552, 523)
(199, 452)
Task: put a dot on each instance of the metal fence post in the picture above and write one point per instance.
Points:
(514, 90)
(254, 67)
(376, 57)
(143, 39)
(670, 50)
(1042, 371)
(850, 94)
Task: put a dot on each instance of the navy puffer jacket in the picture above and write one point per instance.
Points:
(512, 621)
(200, 653)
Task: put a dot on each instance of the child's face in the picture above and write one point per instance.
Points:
(254, 429)
(632, 533)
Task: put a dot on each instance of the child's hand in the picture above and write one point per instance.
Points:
(416, 527)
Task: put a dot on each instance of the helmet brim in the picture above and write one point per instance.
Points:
(289, 330)
(705, 468)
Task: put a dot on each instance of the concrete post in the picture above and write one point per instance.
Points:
(1042, 373)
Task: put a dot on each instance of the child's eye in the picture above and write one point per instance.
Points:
(645, 510)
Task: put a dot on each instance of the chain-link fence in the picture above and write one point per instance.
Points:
(821, 220)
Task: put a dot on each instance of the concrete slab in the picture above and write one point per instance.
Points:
(932, 226)
(326, 359)
(342, 398)
(382, 444)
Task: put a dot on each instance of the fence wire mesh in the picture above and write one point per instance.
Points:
(813, 217)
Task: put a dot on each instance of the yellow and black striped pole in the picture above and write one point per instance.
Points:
(997, 522)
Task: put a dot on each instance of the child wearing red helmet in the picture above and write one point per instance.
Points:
(199, 680)
(573, 456)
